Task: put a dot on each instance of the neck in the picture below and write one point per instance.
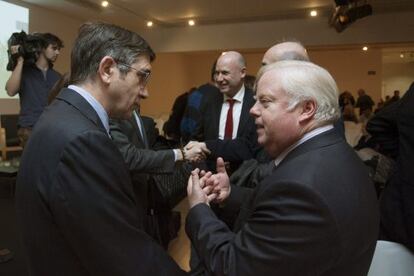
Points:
(42, 63)
(95, 90)
(233, 93)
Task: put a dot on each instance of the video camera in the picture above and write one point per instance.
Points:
(31, 45)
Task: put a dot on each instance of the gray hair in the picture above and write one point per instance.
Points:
(303, 81)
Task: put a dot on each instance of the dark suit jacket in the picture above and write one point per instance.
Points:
(316, 214)
(396, 123)
(75, 201)
(141, 160)
(138, 156)
(237, 150)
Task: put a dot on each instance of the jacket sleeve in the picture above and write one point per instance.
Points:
(234, 150)
(140, 160)
(94, 206)
(287, 231)
(383, 130)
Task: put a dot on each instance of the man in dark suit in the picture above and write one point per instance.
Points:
(225, 114)
(316, 214)
(74, 198)
(392, 129)
(136, 138)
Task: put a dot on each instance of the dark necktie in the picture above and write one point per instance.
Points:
(228, 130)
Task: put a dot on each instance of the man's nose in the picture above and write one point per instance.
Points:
(143, 93)
(254, 110)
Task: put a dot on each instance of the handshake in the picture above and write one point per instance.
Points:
(195, 151)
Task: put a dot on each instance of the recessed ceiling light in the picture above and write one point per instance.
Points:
(191, 22)
(365, 48)
(401, 55)
(105, 4)
(313, 13)
(150, 24)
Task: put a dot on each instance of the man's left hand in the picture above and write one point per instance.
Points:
(197, 191)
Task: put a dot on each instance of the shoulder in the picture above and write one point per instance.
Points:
(55, 74)
(249, 95)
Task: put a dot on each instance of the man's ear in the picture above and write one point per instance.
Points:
(308, 110)
(243, 72)
(106, 69)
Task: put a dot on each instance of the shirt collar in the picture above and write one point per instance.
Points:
(302, 140)
(103, 115)
(238, 97)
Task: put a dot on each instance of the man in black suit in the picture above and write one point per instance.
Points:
(74, 198)
(229, 105)
(393, 129)
(136, 138)
(316, 214)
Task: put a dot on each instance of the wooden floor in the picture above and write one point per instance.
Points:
(179, 248)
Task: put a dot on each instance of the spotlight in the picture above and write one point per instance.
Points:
(348, 11)
(191, 22)
(313, 13)
(150, 24)
(105, 4)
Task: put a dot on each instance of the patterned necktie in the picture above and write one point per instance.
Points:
(228, 130)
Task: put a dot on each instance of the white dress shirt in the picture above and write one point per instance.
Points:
(237, 108)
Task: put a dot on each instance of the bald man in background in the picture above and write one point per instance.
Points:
(212, 127)
(289, 50)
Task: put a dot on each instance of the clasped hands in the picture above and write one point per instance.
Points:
(195, 151)
(208, 187)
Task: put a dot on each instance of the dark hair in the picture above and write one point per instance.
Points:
(97, 40)
(213, 71)
(51, 39)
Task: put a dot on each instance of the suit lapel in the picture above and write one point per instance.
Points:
(215, 114)
(77, 101)
(248, 102)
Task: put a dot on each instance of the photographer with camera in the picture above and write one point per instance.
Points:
(32, 76)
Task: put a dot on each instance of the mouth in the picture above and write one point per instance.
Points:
(259, 128)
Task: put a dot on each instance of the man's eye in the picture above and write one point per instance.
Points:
(264, 102)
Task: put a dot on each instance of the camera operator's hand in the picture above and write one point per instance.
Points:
(15, 50)
(13, 83)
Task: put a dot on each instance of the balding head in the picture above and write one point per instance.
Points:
(234, 57)
(285, 51)
(230, 72)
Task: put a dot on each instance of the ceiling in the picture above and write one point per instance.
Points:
(176, 13)
(134, 14)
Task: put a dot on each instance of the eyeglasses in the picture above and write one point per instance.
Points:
(144, 75)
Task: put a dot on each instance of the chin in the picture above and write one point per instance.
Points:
(261, 140)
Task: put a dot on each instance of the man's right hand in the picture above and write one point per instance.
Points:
(195, 151)
(14, 49)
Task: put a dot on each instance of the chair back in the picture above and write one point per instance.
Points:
(9, 123)
(391, 259)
